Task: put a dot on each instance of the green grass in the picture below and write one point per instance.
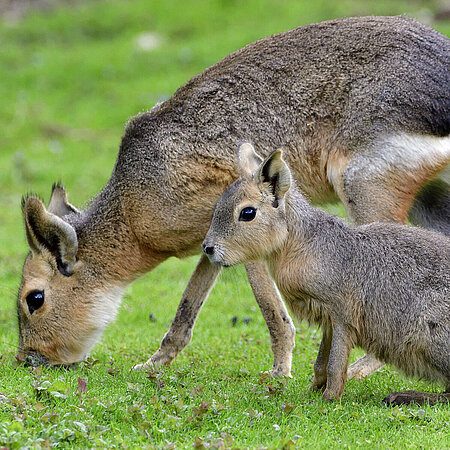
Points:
(70, 79)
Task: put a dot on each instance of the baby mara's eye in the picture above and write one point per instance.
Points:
(35, 299)
(247, 214)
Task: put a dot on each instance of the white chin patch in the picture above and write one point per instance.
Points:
(103, 312)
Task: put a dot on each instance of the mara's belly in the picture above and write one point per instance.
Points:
(305, 307)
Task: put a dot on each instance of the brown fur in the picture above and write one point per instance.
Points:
(328, 93)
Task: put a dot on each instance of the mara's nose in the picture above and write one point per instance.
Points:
(207, 249)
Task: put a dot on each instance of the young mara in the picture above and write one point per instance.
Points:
(362, 106)
(384, 287)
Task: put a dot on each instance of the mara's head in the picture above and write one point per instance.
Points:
(249, 221)
(58, 316)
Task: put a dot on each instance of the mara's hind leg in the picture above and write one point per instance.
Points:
(320, 365)
(380, 182)
(364, 366)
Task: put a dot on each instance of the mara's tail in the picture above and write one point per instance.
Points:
(431, 208)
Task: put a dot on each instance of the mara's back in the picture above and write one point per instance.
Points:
(360, 75)
(322, 92)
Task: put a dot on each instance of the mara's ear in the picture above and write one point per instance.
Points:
(274, 174)
(46, 232)
(59, 204)
(249, 160)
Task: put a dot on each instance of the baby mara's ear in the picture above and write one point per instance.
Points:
(274, 176)
(46, 232)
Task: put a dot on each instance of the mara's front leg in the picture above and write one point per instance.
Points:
(180, 331)
(279, 323)
(341, 344)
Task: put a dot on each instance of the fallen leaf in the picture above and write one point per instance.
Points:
(288, 407)
(200, 443)
(202, 409)
(90, 362)
(197, 390)
(113, 371)
(82, 385)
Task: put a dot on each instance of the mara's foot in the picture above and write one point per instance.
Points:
(280, 372)
(407, 397)
(144, 366)
(157, 360)
(330, 396)
(318, 384)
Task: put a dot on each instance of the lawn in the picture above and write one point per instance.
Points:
(71, 76)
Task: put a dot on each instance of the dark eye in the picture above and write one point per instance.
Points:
(247, 214)
(35, 299)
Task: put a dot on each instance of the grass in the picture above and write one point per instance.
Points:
(71, 77)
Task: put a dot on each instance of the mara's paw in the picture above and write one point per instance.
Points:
(329, 396)
(161, 358)
(142, 367)
(279, 373)
(148, 365)
(408, 397)
(317, 385)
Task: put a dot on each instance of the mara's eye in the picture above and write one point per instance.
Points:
(247, 214)
(35, 299)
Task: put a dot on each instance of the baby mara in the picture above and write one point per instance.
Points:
(383, 287)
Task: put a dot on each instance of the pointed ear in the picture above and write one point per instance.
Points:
(274, 174)
(249, 160)
(59, 204)
(46, 232)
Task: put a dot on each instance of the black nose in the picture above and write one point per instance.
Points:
(35, 359)
(207, 250)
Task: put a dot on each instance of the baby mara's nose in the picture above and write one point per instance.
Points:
(208, 250)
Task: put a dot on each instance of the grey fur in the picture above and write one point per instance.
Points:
(384, 287)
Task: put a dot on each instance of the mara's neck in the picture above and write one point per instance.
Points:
(107, 243)
(311, 233)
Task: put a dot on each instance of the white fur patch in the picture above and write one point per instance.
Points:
(415, 149)
(402, 151)
(103, 312)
